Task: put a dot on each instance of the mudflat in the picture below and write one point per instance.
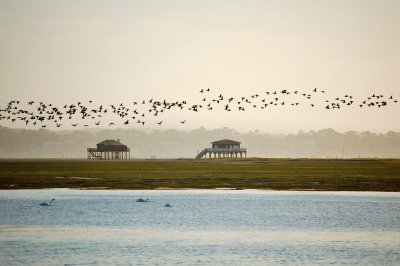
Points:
(249, 173)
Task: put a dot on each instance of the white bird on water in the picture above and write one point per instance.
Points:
(47, 204)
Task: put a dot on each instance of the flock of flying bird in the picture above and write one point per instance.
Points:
(40, 114)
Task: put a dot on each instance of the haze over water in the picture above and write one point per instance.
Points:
(202, 228)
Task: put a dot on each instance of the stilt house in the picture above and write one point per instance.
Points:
(109, 149)
(224, 148)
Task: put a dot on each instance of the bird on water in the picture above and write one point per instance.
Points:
(142, 200)
(47, 204)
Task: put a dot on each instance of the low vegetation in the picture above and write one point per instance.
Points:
(252, 173)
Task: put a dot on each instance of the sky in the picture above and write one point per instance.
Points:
(117, 51)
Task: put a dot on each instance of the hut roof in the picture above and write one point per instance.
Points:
(110, 142)
(226, 142)
(111, 145)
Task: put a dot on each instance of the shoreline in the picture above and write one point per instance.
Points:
(208, 191)
(263, 174)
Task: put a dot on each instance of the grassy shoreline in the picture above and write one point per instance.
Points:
(251, 173)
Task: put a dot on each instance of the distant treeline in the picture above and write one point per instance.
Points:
(326, 143)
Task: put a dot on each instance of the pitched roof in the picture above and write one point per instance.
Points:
(226, 141)
(110, 142)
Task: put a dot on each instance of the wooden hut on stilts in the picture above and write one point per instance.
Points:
(224, 148)
(109, 149)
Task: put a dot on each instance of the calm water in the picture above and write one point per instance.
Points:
(201, 228)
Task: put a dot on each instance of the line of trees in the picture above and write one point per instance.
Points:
(325, 143)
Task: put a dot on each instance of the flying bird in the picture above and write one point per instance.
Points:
(48, 114)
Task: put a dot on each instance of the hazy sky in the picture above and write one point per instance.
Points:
(120, 51)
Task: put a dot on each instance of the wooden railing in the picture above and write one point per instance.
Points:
(225, 150)
(201, 154)
(95, 150)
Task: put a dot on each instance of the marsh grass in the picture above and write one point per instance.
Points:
(255, 173)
